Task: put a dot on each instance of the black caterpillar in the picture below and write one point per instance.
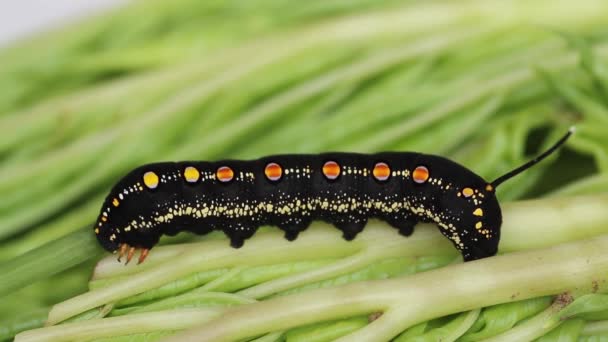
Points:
(290, 191)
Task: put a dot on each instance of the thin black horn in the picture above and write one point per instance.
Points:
(534, 161)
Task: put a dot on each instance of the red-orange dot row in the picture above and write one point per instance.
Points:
(331, 170)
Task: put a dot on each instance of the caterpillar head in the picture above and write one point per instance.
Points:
(126, 217)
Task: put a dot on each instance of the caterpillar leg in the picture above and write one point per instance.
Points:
(238, 233)
(405, 227)
(129, 251)
(237, 241)
(292, 229)
(350, 229)
(291, 235)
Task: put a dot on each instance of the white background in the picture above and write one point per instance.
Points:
(19, 18)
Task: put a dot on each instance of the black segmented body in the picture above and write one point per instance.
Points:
(290, 191)
(462, 204)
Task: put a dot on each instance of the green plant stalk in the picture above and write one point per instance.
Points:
(383, 269)
(271, 110)
(500, 318)
(567, 307)
(423, 296)
(272, 337)
(196, 298)
(55, 256)
(34, 319)
(546, 222)
(450, 332)
(131, 324)
(343, 266)
(52, 230)
(595, 328)
(326, 331)
(534, 327)
(494, 85)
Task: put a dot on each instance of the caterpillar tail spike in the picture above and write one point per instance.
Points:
(495, 183)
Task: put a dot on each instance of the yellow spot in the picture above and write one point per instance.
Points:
(478, 212)
(478, 225)
(489, 187)
(104, 219)
(191, 174)
(151, 180)
(115, 202)
(467, 192)
(96, 230)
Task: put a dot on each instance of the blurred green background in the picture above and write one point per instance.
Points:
(486, 83)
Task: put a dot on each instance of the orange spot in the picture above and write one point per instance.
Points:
(489, 188)
(104, 219)
(331, 170)
(420, 174)
(381, 171)
(115, 202)
(273, 172)
(467, 192)
(225, 174)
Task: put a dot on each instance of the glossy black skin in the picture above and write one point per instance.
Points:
(427, 202)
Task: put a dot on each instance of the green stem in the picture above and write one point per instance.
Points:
(423, 296)
(117, 326)
(343, 266)
(595, 328)
(51, 258)
(534, 327)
